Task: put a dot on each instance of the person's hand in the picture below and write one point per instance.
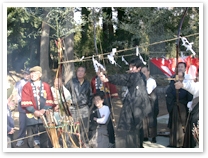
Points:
(189, 106)
(103, 78)
(42, 111)
(180, 76)
(56, 108)
(12, 131)
(38, 113)
(178, 85)
(95, 119)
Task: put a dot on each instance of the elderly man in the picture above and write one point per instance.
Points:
(22, 114)
(36, 99)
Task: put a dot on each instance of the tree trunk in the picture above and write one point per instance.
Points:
(44, 50)
(68, 68)
(108, 31)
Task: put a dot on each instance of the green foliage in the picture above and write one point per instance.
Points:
(130, 27)
(22, 32)
(149, 25)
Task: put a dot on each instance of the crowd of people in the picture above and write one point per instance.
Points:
(90, 104)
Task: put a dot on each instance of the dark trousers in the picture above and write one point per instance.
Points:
(141, 135)
(110, 127)
(134, 138)
(22, 125)
(44, 139)
(111, 133)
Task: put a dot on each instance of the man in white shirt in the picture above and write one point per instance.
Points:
(150, 121)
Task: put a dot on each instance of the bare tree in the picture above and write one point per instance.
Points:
(69, 51)
(44, 50)
(69, 54)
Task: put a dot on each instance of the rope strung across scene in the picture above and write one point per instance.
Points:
(39, 133)
(126, 49)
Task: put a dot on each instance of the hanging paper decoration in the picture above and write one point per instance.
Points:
(124, 60)
(97, 65)
(137, 53)
(81, 58)
(111, 57)
(137, 50)
(187, 45)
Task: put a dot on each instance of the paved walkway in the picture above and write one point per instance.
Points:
(162, 141)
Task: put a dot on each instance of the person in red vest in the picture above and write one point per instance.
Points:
(36, 99)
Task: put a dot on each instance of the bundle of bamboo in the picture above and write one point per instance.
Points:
(65, 130)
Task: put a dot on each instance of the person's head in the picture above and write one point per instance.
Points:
(145, 71)
(135, 65)
(58, 83)
(35, 73)
(181, 67)
(98, 99)
(100, 73)
(26, 73)
(81, 72)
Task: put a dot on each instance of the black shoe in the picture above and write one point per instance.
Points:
(153, 140)
(145, 139)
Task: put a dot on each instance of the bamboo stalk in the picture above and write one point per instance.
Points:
(54, 136)
(52, 129)
(46, 126)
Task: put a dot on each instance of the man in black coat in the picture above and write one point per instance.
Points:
(81, 92)
(136, 104)
(177, 110)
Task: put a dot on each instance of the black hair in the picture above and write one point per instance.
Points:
(83, 68)
(136, 62)
(100, 94)
(182, 63)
